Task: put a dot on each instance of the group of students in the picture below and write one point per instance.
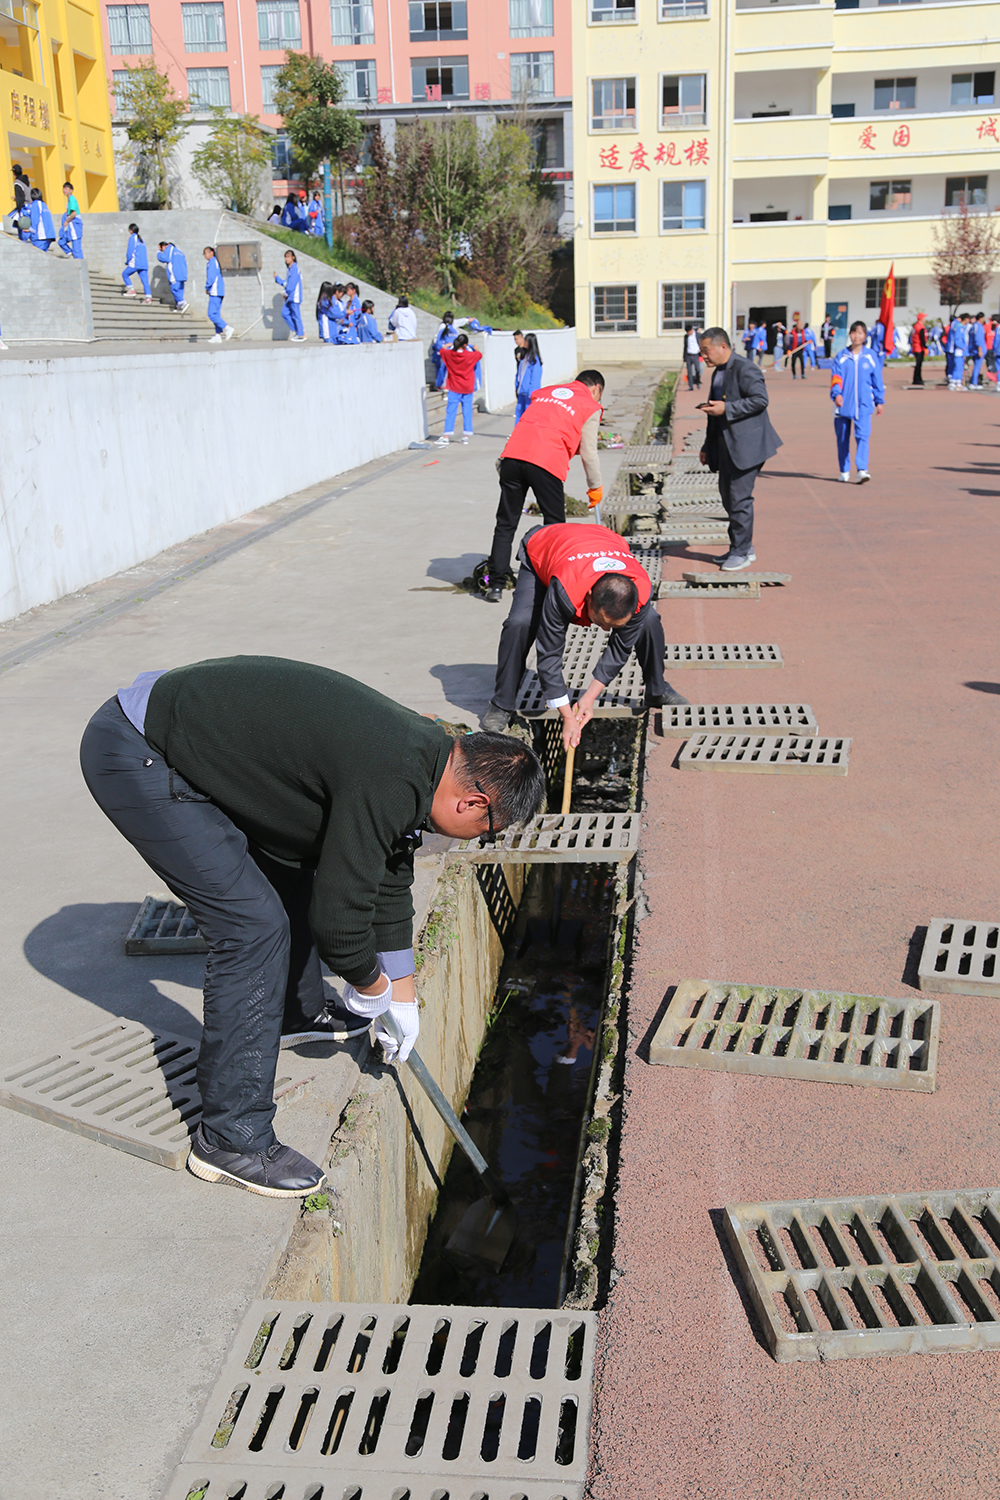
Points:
(342, 317)
(305, 217)
(32, 218)
(970, 336)
(457, 370)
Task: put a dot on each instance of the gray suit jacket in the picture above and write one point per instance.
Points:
(746, 428)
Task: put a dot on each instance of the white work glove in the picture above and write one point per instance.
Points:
(407, 1018)
(368, 1006)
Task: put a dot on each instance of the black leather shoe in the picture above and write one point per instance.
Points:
(335, 1023)
(278, 1172)
(672, 699)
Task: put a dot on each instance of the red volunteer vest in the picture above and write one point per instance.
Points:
(548, 433)
(578, 555)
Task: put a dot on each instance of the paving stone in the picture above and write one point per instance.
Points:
(805, 1034)
(767, 754)
(960, 957)
(683, 721)
(718, 580)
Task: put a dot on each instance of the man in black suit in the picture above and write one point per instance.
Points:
(740, 439)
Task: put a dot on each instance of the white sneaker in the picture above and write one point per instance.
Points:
(228, 331)
(863, 476)
(442, 441)
(3, 345)
(298, 338)
(129, 292)
(846, 477)
(465, 437)
(216, 338)
(147, 300)
(182, 307)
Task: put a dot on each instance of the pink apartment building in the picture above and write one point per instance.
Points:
(402, 59)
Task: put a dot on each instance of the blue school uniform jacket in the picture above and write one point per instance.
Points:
(72, 228)
(137, 256)
(292, 283)
(958, 338)
(859, 381)
(368, 329)
(41, 221)
(175, 262)
(760, 338)
(978, 341)
(528, 376)
(214, 284)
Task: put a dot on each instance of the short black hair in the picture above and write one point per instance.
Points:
(35, 194)
(615, 595)
(715, 336)
(69, 185)
(509, 772)
(403, 302)
(461, 339)
(591, 377)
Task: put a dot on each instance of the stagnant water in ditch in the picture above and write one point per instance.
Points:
(529, 1093)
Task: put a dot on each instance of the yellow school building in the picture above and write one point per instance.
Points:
(736, 159)
(55, 118)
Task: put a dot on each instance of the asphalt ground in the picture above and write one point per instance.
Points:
(889, 630)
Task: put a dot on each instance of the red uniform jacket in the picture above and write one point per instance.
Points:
(461, 366)
(548, 433)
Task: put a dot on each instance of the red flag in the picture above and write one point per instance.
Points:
(886, 309)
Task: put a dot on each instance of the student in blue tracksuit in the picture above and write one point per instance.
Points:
(347, 332)
(324, 316)
(876, 334)
(528, 373)
(977, 348)
(812, 352)
(71, 228)
(317, 223)
(177, 272)
(856, 391)
(443, 339)
(43, 231)
(367, 326)
(292, 310)
(136, 264)
(216, 289)
(956, 348)
(760, 343)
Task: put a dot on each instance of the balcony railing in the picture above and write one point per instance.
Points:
(22, 12)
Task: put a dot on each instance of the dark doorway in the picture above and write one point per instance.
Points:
(770, 316)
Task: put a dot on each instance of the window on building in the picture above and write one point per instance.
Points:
(438, 20)
(612, 104)
(875, 286)
(435, 78)
(614, 208)
(682, 205)
(352, 24)
(268, 78)
(359, 81)
(284, 167)
(681, 302)
(970, 89)
(682, 100)
(842, 111)
(204, 26)
(208, 88)
(548, 139)
(129, 30)
(839, 211)
(121, 85)
(968, 190)
(611, 10)
(616, 309)
(890, 196)
(530, 17)
(678, 10)
(895, 93)
(278, 25)
(770, 216)
(532, 75)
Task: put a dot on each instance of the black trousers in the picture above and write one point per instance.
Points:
(736, 489)
(918, 369)
(521, 627)
(800, 355)
(693, 370)
(252, 912)
(517, 477)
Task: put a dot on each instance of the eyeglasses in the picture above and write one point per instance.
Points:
(490, 837)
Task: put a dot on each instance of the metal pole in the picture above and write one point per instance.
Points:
(327, 206)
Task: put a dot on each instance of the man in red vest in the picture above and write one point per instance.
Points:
(560, 421)
(573, 574)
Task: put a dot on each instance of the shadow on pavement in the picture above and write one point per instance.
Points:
(914, 949)
(468, 685)
(983, 687)
(718, 1224)
(454, 569)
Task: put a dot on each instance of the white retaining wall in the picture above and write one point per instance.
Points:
(559, 362)
(116, 458)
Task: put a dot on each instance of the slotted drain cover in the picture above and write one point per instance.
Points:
(774, 754)
(808, 1034)
(724, 655)
(960, 957)
(122, 1085)
(681, 722)
(731, 589)
(161, 926)
(649, 456)
(651, 558)
(558, 838)
(907, 1273)
(624, 696)
(694, 505)
(631, 505)
(377, 1401)
(718, 580)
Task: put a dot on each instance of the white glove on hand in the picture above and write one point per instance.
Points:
(368, 1006)
(407, 1018)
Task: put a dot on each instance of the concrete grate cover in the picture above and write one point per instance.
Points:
(558, 838)
(161, 926)
(733, 589)
(648, 456)
(907, 1273)
(767, 754)
(681, 722)
(806, 1034)
(380, 1401)
(960, 957)
(122, 1085)
(720, 580)
(724, 655)
(624, 696)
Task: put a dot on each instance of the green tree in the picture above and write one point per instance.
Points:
(152, 116)
(231, 164)
(307, 96)
(389, 228)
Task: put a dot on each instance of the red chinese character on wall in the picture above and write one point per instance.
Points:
(988, 128)
(638, 162)
(697, 153)
(609, 158)
(432, 92)
(667, 155)
(385, 96)
(866, 140)
(901, 137)
(482, 91)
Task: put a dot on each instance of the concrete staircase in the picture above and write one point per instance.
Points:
(130, 318)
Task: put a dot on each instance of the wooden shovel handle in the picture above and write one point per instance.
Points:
(568, 778)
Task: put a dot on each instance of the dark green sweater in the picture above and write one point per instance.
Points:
(318, 770)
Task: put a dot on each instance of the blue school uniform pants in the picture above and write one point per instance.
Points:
(523, 402)
(323, 323)
(292, 314)
(956, 365)
(177, 291)
(455, 400)
(41, 244)
(71, 246)
(977, 365)
(215, 313)
(143, 278)
(862, 434)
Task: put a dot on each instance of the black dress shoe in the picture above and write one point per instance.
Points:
(278, 1172)
(672, 699)
(335, 1023)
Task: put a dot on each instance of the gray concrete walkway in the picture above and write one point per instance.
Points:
(125, 1281)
